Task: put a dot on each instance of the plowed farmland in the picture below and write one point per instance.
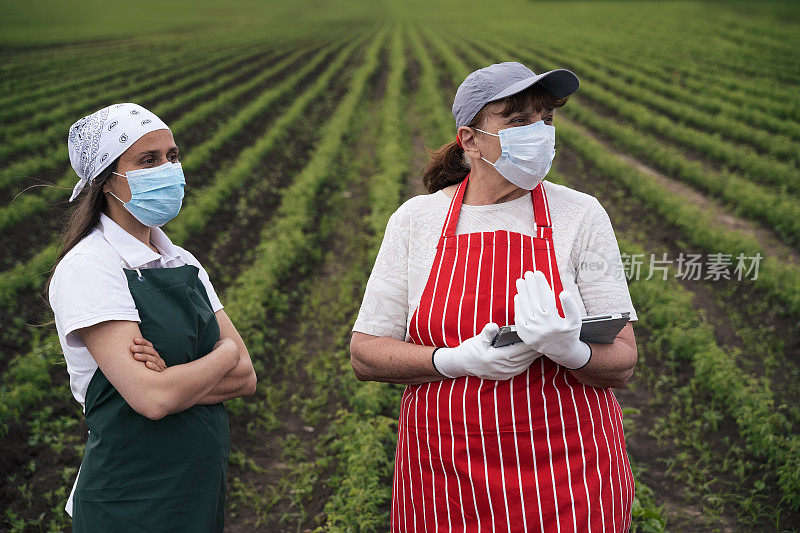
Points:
(303, 126)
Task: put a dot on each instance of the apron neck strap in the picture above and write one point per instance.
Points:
(541, 211)
(451, 220)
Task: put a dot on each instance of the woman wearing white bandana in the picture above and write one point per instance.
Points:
(150, 351)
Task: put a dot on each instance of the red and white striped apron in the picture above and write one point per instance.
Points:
(538, 452)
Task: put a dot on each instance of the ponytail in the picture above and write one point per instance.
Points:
(447, 166)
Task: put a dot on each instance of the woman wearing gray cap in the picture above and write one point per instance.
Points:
(521, 437)
(150, 351)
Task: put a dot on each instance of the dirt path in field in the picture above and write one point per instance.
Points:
(262, 499)
(287, 490)
(250, 207)
(721, 214)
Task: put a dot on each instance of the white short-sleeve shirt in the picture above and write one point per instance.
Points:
(89, 287)
(586, 249)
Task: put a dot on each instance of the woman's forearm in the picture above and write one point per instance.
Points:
(391, 360)
(181, 386)
(611, 365)
(240, 381)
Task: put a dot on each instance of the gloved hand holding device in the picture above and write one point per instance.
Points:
(477, 357)
(541, 327)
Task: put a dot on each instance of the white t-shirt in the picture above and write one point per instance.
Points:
(586, 251)
(89, 287)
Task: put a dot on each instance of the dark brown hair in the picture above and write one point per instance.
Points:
(447, 166)
(84, 217)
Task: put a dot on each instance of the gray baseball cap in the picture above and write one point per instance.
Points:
(500, 80)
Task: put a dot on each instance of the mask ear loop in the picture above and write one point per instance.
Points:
(117, 197)
(488, 133)
(139, 275)
(114, 195)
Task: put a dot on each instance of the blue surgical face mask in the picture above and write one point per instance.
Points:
(527, 153)
(156, 193)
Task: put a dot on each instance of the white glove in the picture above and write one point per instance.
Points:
(541, 327)
(477, 357)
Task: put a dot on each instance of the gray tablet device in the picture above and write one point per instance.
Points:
(596, 328)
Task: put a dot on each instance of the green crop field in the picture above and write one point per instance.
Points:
(303, 125)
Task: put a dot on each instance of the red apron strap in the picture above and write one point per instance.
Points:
(541, 212)
(451, 221)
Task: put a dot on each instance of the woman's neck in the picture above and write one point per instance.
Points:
(487, 186)
(128, 222)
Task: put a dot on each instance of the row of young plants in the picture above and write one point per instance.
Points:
(250, 206)
(360, 441)
(55, 158)
(765, 430)
(698, 445)
(128, 69)
(775, 209)
(29, 275)
(645, 510)
(715, 471)
(754, 166)
(429, 103)
(754, 37)
(229, 178)
(31, 90)
(272, 413)
(748, 28)
(249, 71)
(363, 436)
(14, 391)
(310, 361)
(33, 141)
(51, 154)
(722, 109)
(778, 102)
(284, 243)
(41, 121)
(33, 64)
(756, 148)
(261, 297)
(711, 57)
(248, 53)
(118, 65)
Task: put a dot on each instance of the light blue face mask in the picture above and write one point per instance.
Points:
(156, 193)
(527, 153)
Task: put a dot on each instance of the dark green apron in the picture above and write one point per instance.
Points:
(148, 475)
